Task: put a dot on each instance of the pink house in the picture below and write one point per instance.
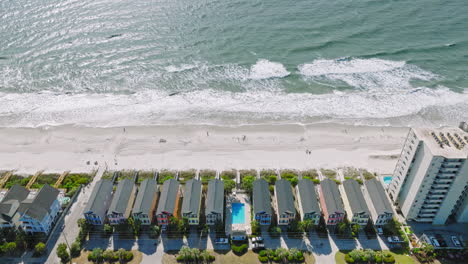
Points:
(330, 200)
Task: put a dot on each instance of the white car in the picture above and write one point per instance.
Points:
(434, 242)
(455, 241)
(221, 241)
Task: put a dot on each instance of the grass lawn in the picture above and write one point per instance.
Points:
(399, 258)
(83, 258)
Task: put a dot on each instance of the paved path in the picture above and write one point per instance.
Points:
(71, 229)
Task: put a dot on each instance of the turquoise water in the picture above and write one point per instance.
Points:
(238, 213)
(110, 63)
(387, 180)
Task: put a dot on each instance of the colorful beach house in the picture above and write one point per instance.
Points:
(121, 206)
(355, 204)
(307, 201)
(215, 202)
(285, 206)
(168, 204)
(380, 207)
(145, 202)
(192, 201)
(98, 203)
(36, 214)
(261, 202)
(330, 201)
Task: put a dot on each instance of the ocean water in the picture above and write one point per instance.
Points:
(112, 63)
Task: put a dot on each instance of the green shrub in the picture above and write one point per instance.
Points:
(239, 249)
(207, 175)
(291, 177)
(316, 181)
(331, 174)
(276, 259)
(75, 249)
(388, 258)
(349, 259)
(263, 259)
(309, 174)
(378, 258)
(39, 249)
(262, 253)
(165, 175)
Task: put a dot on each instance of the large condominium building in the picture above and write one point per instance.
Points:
(430, 180)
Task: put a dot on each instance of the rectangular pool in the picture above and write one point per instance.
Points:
(238, 213)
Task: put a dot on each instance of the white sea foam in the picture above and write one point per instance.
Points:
(183, 67)
(365, 73)
(224, 108)
(265, 69)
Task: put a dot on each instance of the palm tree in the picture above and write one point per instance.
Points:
(121, 253)
(185, 252)
(205, 255)
(282, 254)
(294, 252)
(196, 254)
(270, 253)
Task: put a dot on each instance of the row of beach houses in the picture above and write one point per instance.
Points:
(324, 201)
(150, 203)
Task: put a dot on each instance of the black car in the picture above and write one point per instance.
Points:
(441, 240)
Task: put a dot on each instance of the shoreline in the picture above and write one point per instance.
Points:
(293, 146)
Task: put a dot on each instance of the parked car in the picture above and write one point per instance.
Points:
(455, 241)
(441, 240)
(221, 241)
(257, 239)
(258, 246)
(434, 241)
(379, 231)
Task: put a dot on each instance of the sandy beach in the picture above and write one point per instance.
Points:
(81, 149)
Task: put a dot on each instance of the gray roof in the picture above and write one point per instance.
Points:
(309, 201)
(39, 206)
(378, 197)
(11, 202)
(261, 197)
(215, 199)
(192, 197)
(168, 198)
(284, 197)
(355, 198)
(332, 197)
(102, 192)
(145, 197)
(122, 196)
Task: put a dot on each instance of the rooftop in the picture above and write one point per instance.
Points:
(355, 197)
(448, 142)
(145, 197)
(167, 201)
(261, 197)
(122, 196)
(308, 196)
(284, 197)
(215, 197)
(101, 193)
(332, 196)
(192, 197)
(378, 197)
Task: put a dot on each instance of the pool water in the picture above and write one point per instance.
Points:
(387, 180)
(238, 213)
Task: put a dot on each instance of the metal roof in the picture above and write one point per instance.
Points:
(192, 197)
(122, 196)
(332, 196)
(215, 199)
(308, 196)
(168, 198)
(261, 197)
(145, 197)
(284, 197)
(378, 197)
(355, 197)
(102, 192)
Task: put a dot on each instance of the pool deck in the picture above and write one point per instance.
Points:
(238, 198)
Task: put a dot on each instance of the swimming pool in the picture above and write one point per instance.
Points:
(387, 180)
(238, 214)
